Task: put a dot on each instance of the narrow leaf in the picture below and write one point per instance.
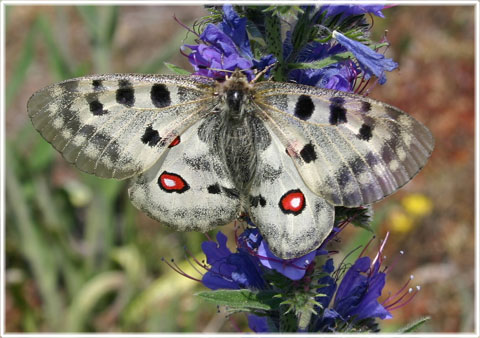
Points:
(412, 327)
(176, 69)
(244, 299)
(321, 63)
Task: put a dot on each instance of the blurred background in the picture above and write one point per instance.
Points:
(79, 257)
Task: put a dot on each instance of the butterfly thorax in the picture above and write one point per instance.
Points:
(237, 132)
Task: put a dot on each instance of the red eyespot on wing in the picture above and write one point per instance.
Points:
(169, 182)
(292, 202)
(175, 142)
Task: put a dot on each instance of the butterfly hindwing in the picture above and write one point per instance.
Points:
(349, 149)
(189, 188)
(117, 125)
(292, 219)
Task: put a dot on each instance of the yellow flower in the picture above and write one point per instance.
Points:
(417, 205)
(400, 221)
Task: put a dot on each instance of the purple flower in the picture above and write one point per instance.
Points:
(293, 269)
(257, 323)
(236, 28)
(350, 10)
(359, 290)
(219, 54)
(226, 47)
(371, 62)
(230, 270)
(339, 76)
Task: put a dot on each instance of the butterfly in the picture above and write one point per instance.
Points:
(201, 152)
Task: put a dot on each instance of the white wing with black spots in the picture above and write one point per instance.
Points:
(291, 218)
(189, 188)
(118, 125)
(349, 149)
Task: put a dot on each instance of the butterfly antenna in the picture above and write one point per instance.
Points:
(264, 71)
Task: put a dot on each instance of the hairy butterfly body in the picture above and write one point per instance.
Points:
(200, 152)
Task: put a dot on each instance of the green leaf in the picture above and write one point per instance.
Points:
(321, 63)
(273, 36)
(176, 69)
(242, 299)
(360, 217)
(414, 325)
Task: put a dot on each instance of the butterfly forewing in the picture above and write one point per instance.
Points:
(118, 125)
(347, 148)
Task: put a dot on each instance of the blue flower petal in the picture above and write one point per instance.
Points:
(292, 268)
(339, 76)
(330, 285)
(236, 28)
(358, 292)
(257, 323)
(350, 10)
(371, 62)
(230, 270)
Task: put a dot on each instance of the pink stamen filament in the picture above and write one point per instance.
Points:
(391, 307)
(398, 292)
(380, 251)
(189, 257)
(184, 26)
(177, 269)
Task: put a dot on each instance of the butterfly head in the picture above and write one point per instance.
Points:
(236, 94)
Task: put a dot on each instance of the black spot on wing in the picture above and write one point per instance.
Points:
(97, 85)
(308, 153)
(100, 140)
(304, 107)
(338, 113)
(387, 153)
(214, 189)
(113, 151)
(366, 107)
(70, 118)
(151, 137)
(125, 95)
(365, 132)
(87, 130)
(258, 201)
(371, 159)
(160, 95)
(357, 165)
(394, 113)
(344, 176)
(96, 108)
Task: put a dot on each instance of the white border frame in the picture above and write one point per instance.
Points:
(476, 5)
